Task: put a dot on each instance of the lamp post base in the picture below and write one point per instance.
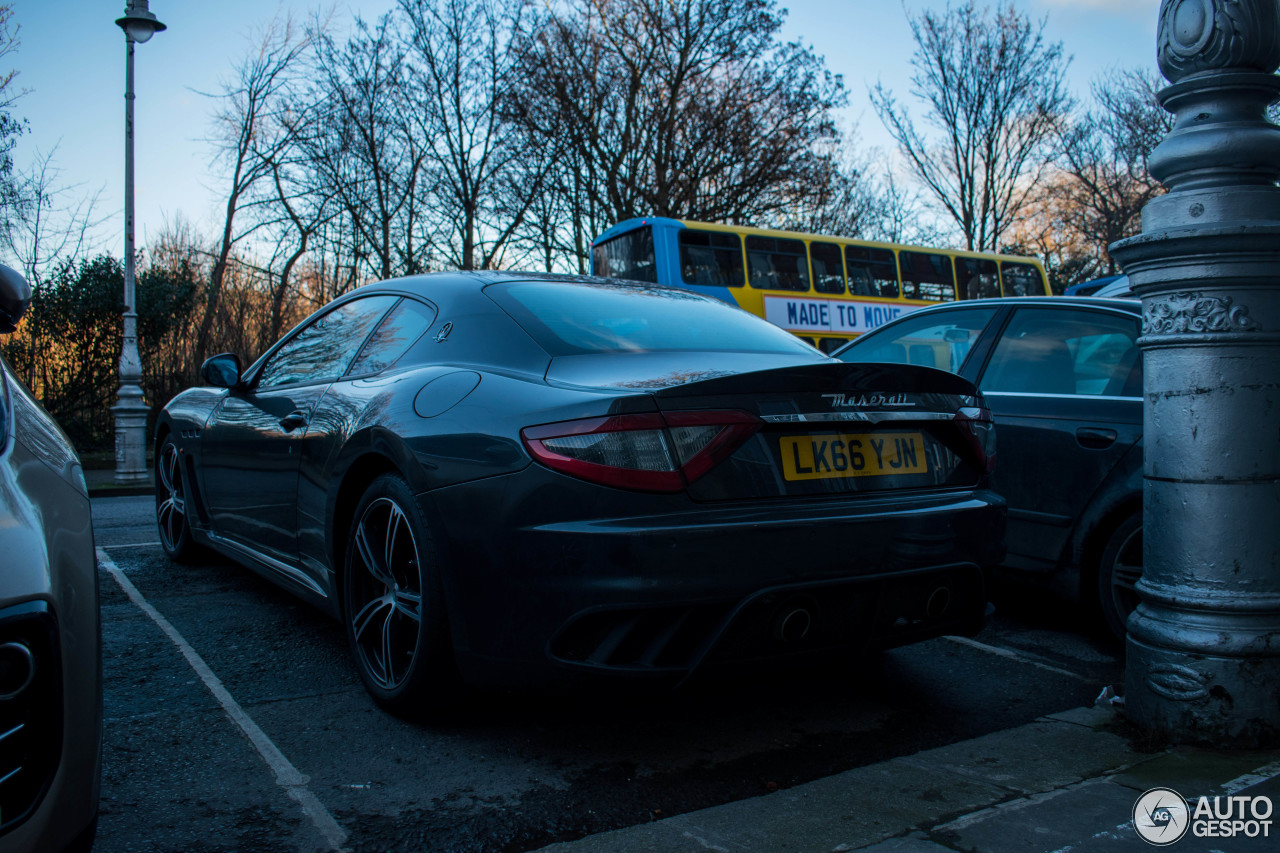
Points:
(131, 436)
(1202, 699)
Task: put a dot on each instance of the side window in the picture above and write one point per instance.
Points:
(828, 271)
(711, 257)
(927, 276)
(397, 332)
(775, 263)
(1021, 279)
(1086, 353)
(977, 277)
(933, 340)
(321, 350)
(872, 272)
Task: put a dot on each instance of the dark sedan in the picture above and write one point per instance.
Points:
(1063, 377)
(508, 478)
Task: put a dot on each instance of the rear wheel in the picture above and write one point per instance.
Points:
(1119, 569)
(393, 604)
(171, 503)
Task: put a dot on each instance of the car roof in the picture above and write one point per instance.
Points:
(1130, 304)
(1122, 286)
(1092, 285)
(468, 281)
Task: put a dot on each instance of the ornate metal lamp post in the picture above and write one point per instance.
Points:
(1204, 645)
(131, 412)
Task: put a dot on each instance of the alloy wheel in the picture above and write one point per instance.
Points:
(1126, 570)
(386, 594)
(171, 511)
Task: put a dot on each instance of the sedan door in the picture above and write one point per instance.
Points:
(251, 446)
(1065, 385)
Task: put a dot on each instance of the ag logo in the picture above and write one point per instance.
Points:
(1161, 816)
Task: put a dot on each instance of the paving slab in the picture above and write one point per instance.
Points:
(1200, 772)
(1055, 820)
(845, 811)
(916, 842)
(1044, 756)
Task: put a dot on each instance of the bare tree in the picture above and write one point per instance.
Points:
(48, 225)
(464, 56)
(366, 152)
(8, 44)
(250, 127)
(10, 127)
(851, 202)
(686, 108)
(994, 92)
(1103, 155)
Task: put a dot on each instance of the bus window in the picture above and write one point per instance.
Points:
(628, 256)
(927, 276)
(776, 263)
(710, 257)
(977, 277)
(828, 272)
(872, 272)
(1021, 279)
(830, 345)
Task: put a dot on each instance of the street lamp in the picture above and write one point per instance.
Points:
(131, 412)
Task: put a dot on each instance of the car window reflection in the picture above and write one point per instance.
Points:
(1060, 352)
(402, 326)
(937, 340)
(321, 350)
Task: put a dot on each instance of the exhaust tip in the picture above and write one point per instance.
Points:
(793, 624)
(939, 602)
(17, 669)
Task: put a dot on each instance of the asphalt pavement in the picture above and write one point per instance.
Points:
(179, 776)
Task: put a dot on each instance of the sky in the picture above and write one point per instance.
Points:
(71, 62)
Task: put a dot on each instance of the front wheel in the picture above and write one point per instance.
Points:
(1119, 569)
(171, 503)
(393, 604)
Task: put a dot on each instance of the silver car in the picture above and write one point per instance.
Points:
(50, 639)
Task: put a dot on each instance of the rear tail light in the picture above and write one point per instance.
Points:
(655, 452)
(979, 428)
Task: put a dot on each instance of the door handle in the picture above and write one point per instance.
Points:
(1094, 438)
(293, 420)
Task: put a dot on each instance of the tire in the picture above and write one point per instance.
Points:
(393, 604)
(171, 503)
(1119, 569)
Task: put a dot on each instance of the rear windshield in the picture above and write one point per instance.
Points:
(574, 318)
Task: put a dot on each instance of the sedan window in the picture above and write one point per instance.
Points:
(1085, 353)
(941, 340)
(321, 350)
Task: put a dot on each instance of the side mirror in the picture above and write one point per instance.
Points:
(15, 296)
(222, 370)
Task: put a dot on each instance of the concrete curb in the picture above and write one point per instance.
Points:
(101, 484)
(1057, 782)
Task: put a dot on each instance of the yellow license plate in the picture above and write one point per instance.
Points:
(817, 457)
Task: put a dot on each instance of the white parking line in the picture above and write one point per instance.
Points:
(287, 776)
(133, 545)
(1012, 655)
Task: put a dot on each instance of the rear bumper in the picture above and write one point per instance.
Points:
(541, 585)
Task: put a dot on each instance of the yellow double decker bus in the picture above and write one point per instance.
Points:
(828, 290)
